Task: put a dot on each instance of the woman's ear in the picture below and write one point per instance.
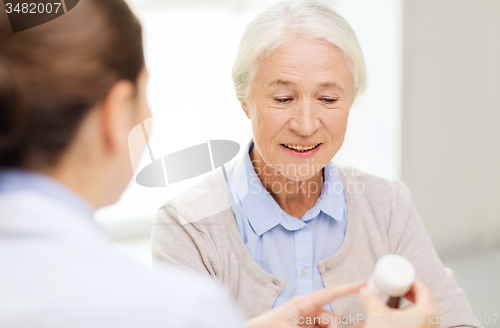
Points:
(245, 107)
(117, 109)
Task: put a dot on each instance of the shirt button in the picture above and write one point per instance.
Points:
(328, 266)
(301, 227)
(303, 271)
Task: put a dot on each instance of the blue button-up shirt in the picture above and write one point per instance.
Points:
(282, 245)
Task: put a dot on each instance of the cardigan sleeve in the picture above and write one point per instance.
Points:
(415, 245)
(173, 242)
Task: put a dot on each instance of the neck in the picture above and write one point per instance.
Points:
(85, 173)
(294, 197)
(76, 181)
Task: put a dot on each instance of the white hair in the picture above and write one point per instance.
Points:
(297, 18)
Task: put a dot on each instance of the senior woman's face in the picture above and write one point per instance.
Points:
(299, 105)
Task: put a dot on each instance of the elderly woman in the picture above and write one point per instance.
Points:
(283, 220)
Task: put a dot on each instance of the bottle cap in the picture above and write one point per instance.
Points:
(394, 275)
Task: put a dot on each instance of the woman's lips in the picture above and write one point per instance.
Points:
(301, 154)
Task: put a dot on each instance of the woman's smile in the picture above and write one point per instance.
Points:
(301, 151)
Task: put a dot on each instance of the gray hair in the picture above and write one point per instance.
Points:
(304, 18)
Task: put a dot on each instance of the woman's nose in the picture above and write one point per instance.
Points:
(304, 120)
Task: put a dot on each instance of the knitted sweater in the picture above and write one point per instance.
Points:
(198, 229)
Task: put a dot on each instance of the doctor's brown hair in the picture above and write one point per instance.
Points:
(53, 74)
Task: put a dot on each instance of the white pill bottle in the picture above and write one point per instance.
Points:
(392, 278)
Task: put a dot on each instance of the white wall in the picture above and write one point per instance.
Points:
(451, 116)
(373, 138)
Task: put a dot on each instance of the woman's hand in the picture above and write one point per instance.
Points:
(418, 316)
(306, 311)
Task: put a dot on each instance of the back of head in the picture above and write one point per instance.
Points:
(53, 74)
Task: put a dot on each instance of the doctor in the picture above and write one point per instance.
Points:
(70, 92)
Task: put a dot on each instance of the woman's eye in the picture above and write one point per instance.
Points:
(329, 100)
(283, 100)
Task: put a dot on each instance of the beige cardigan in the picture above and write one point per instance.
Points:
(198, 229)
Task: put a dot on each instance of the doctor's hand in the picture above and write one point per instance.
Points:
(417, 316)
(306, 311)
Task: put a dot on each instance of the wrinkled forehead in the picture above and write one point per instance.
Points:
(304, 61)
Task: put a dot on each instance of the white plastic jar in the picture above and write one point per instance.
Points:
(392, 278)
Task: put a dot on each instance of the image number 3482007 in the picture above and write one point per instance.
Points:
(25, 14)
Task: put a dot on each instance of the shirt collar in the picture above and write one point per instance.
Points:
(14, 180)
(261, 209)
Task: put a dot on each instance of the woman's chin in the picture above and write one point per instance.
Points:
(297, 177)
(299, 171)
